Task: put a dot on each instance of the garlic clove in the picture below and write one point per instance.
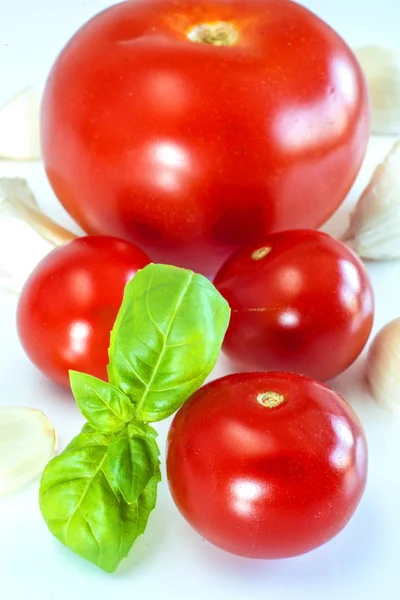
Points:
(27, 443)
(17, 187)
(374, 230)
(26, 234)
(20, 126)
(383, 367)
(381, 67)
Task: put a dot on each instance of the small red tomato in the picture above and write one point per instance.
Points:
(69, 303)
(266, 465)
(301, 301)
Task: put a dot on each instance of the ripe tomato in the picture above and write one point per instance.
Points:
(266, 465)
(192, 150)
(69, 303)
(301, 301)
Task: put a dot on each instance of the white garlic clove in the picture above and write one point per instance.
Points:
(374, 230)
(381, 67)
(27, 443)
(20, 126)
(17, 188)
(383, 367)
(27, 235)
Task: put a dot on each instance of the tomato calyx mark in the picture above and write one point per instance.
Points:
(270, 399)
(220, 33)
(261, 253)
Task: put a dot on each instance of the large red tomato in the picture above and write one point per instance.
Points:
(69, 303)
(301, 301)
(155, 132)
(266, 465)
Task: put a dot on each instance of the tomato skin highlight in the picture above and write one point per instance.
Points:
(266, 482)
(69, 303)
(301, 301)
(192, 150)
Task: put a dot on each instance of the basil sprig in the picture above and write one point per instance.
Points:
(97, 495)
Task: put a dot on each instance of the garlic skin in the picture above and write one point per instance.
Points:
(383, 367)
(27, 443)
(374, 230)
(20, 126)
(26, 234)
(381, 67)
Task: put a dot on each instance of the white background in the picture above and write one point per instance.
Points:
(170, 561)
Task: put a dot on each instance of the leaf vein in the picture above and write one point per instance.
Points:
(130, 368)
(161, 355)
(149, 311)
(91, 531)
(91, 479)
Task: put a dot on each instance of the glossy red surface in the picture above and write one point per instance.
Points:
(301, 301)
(68, 305)
(266, 482)
(192, 150)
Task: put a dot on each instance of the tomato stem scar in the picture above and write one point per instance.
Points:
(261, 253)
(270, 399)
(221, 33)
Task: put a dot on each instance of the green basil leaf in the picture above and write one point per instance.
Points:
(84, 511)
(132, 460)
(88, 428)
(135, 516)
(105, 407)
(166, 338)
